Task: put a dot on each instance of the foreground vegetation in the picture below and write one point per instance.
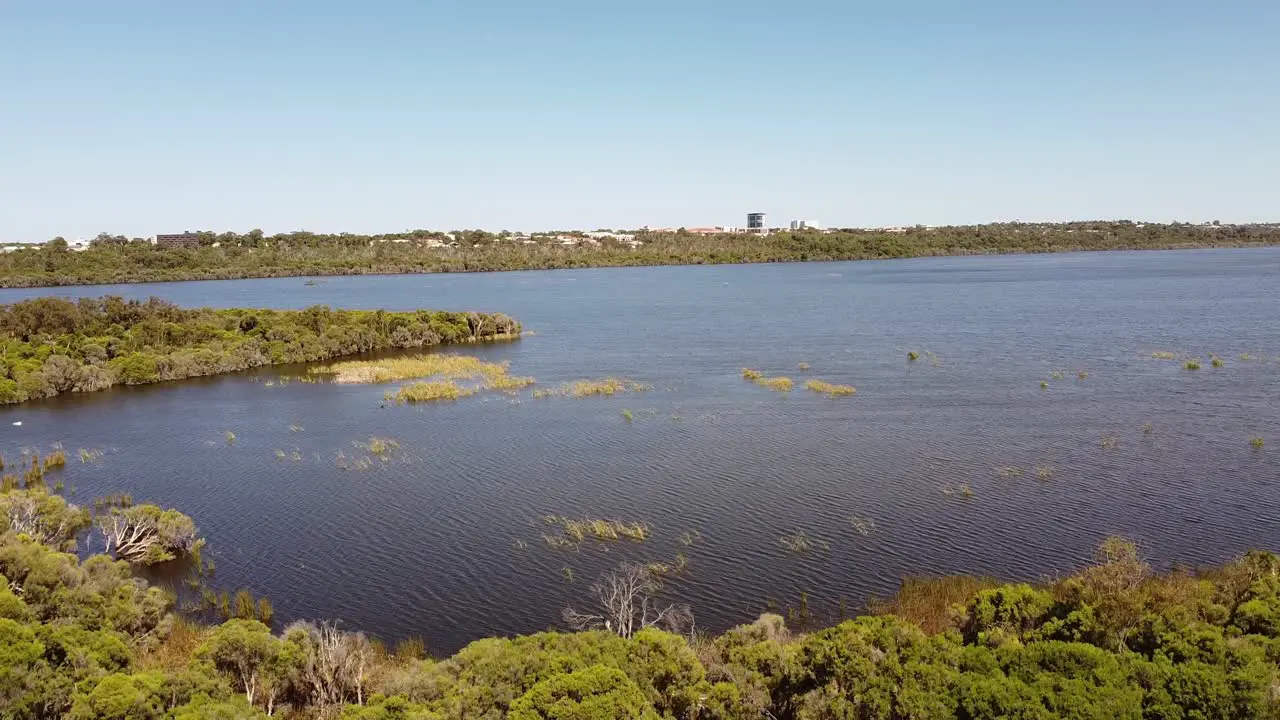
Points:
(118, 259)
(86, 639)
(53, 345)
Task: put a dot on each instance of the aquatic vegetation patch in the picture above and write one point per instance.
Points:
(1044, 472)
(431, 391)
(831, 390)
(1009, 471)
(55, 460)
(1109, 442)
(1216, 361)
(587, 388)
(1256, 442)
(777, 384)
(445, 365)
(912, 356)
(804, 367)
(574, 532)
(1164, 355)
(862, 525)
(749, 374)
(797, 542)
(1191, 365)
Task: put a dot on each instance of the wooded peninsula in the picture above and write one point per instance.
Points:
(54, 345)
(88, 639)
(211, 256)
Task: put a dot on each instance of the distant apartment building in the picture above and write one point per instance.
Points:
(186, 239)
(755, 223)
(805, 225)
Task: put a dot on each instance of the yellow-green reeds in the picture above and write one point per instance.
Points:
(86, 456)
(431, 391)
(1109, 442)
(585, 388)
(628, 415)
(912, 356)
(452, 367)
(830, 389)
(508, 383)
(1191, 365)
(380, 446)
(1164, 355)
(804, 367)
(1217, 361)
(1044, 472)
(573, 531)
(1044, 385)
(1082, 375)
(777, 384)
(230, 436)
(749, 374)
(1009, 471)
(1256, 442)
(54, 460)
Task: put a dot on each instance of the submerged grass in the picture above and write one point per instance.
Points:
(830, 389)
(1257, 442)
(1191, 365)
(1164, 355)
(798, 542)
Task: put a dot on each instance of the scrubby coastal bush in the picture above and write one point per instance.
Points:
(86, 639)
(50, 346)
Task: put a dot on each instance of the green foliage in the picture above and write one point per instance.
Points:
(85, 639)
(106, 341)
(594, 693)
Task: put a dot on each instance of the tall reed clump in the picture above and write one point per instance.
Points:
(928, 601)
(55, 460)
(831, 390)
(749, 374)
(1191, 365)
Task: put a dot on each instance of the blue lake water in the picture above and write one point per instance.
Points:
(429, 542)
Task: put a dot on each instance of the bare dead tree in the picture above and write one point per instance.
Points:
(334, 663)
(627, 603)
(146, 533)
(25, 518)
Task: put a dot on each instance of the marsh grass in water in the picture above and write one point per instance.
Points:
(831, 390)
(230, 436)
(1044, 472)
(432, 391)
(587, 388)
(1191, 365)
(55, 460)
(1044, 385)
(1056, 375)
(1082, 375)
(912, 356)
(1256, 442)
(804, 367)
(749, 374)
(1109, 442)
(1164, 355)
(960, 490)
(444, 365)
(1009, 471)
(1217, 361)
(689, 537)
(574, 532)
(86, 456)
(628, 415)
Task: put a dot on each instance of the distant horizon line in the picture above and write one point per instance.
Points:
(728, 229)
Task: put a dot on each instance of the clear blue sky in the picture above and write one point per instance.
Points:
(139, 117)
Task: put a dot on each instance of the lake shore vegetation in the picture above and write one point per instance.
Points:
(253, 254)
(50, 346)
(83, 637)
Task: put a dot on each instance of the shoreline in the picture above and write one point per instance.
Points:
(580, 260)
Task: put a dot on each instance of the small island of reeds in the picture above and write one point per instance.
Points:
(54, 345)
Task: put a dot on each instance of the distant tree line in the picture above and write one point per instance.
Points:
(117, 259)
(52, 345)
(88, 640)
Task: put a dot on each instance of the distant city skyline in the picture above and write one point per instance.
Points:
(149, 117)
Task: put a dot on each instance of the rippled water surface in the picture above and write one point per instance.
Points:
(427, 542)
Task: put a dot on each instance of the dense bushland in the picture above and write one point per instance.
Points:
(117, 259)
(87, 639)
(52, 345)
